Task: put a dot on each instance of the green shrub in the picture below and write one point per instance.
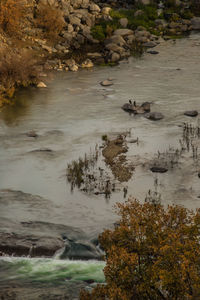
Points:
(98, 32)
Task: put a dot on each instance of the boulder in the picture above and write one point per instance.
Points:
(87, 64)
(123, 32)
(191, 113)
(85, 4)
(94, 55)
(94, 8)
(74, 20)
(115, 57)
(150, 44)
(106, 10)
(136, 109)
(80, 250)
(130, 39)
(41, 85)
(73, 68)
(123, 22)
(115, 39)
(154, 116)
(142, 39)
(115, 48)
(142, 33)
(76, 3)
(138, 12)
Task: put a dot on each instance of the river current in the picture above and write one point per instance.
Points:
(73, 113)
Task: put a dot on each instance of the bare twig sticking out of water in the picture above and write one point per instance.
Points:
(168, 159)
(87, 176)
(190, 139)
(154, 196)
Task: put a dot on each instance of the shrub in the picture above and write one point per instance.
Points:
(51, 19)
(152, 253)
(11, 13)
(17, 68)
(98, 32)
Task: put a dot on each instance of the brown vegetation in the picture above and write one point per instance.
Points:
(11, 13)
(152, 253)
(50, 18)
(118, 163)
(17, 68)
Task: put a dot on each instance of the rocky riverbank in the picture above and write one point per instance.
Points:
(19, 237)
(68, 35)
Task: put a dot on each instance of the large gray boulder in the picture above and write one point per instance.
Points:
(80, 250)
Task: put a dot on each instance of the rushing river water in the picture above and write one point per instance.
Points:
(72, 114)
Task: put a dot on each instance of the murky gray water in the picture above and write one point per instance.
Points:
(72, 114)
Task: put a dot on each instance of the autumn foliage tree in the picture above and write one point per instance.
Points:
(11, 13)
(17, 68)
(153, 253)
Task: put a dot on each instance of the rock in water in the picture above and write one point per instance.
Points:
(146, 106)
(157, 169)
(41, 85)
(81, 250)
(137, 109)
(154, 116)
(128, 107)
(106, 83)
(32, 133)
(191, 113)
(152, 52)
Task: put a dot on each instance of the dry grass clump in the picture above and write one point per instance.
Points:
(51, 19)
(17, 68)
(11, 14)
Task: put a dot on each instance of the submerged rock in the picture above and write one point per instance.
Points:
(157, 169)
(191, 113)
(152, 52)
(32, 133)
(154, 116)
(42, 150)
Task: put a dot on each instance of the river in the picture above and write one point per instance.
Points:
(73, 113)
